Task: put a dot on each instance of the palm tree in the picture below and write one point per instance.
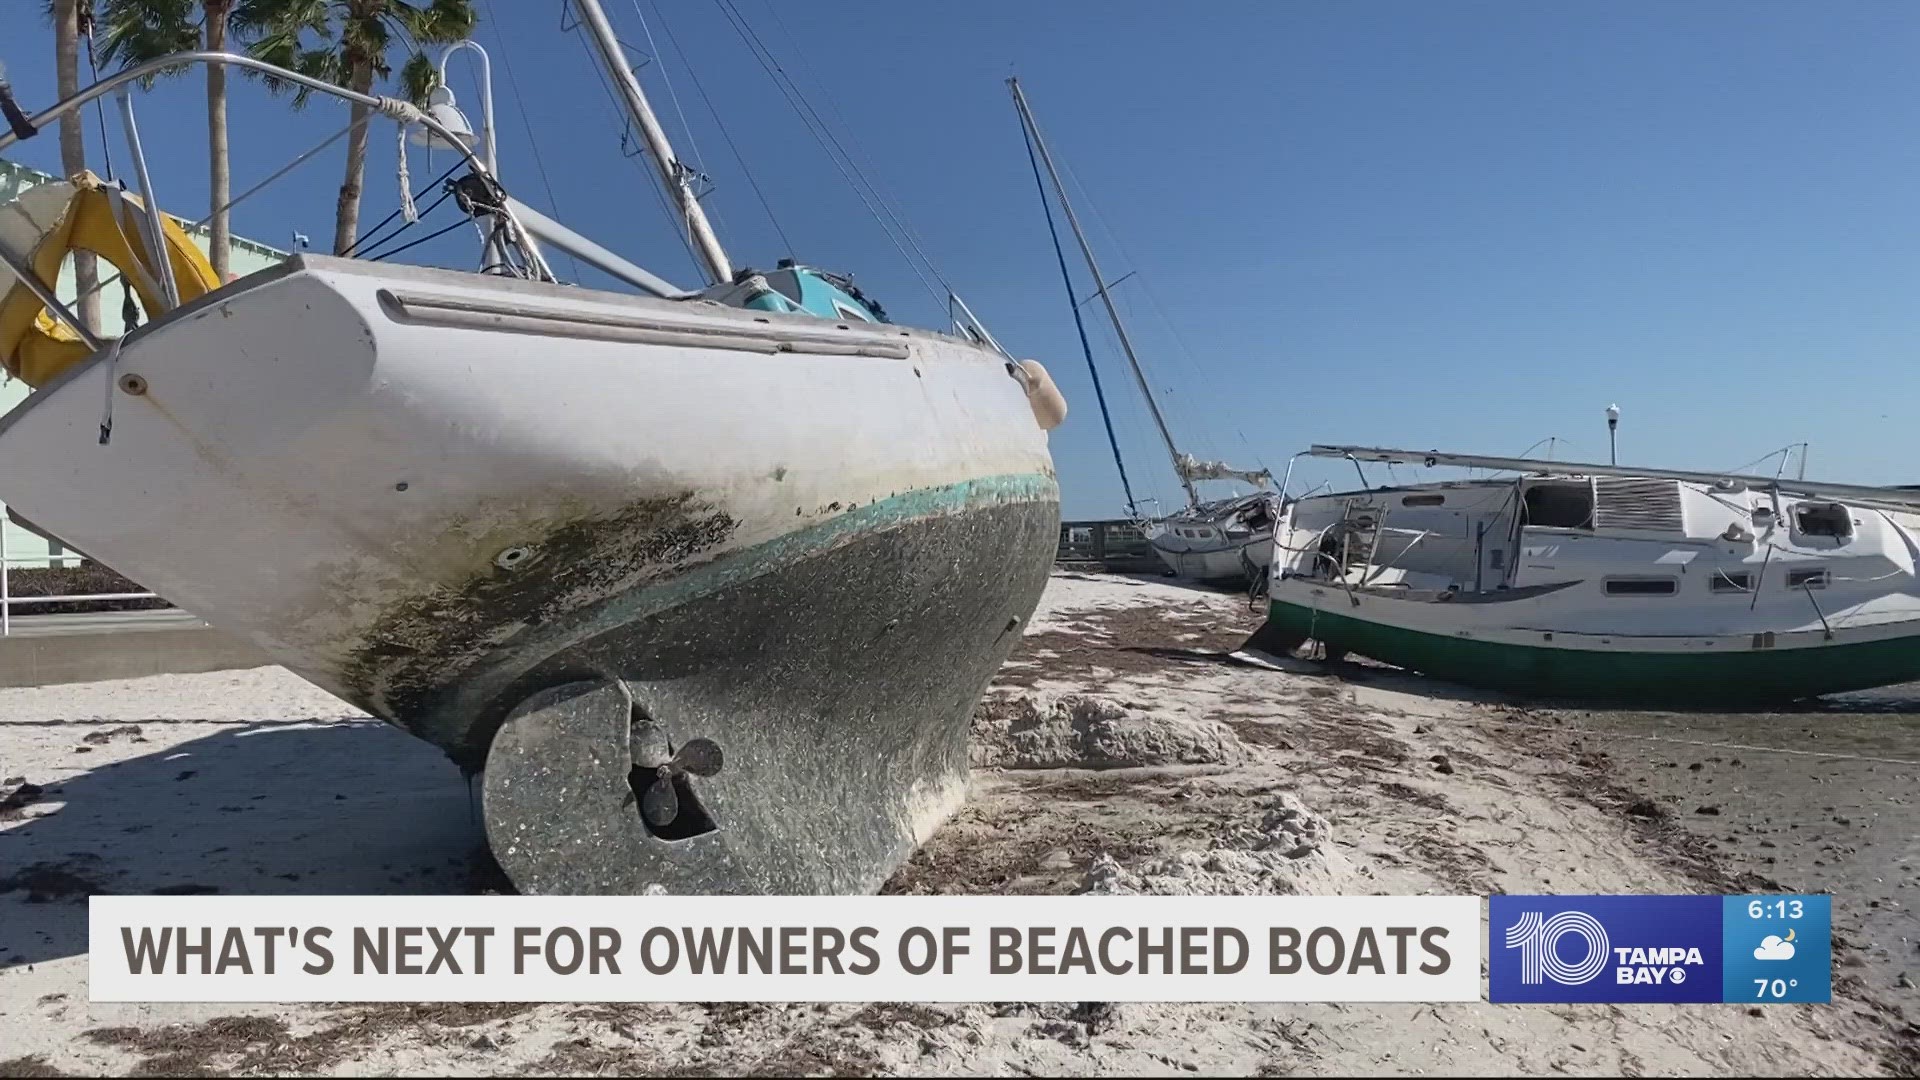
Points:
(142, 30)
(347, 43)
(65, 15)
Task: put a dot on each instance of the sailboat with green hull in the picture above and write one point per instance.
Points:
(1606, 583)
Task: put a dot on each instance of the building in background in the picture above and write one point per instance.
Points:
(29, 549)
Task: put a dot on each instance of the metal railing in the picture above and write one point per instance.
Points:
(1118, 545)
(8, 600)
(395, 109)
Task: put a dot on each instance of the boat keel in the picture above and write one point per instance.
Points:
(570, 793)
(587, 791)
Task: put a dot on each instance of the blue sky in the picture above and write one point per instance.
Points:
(1468, 226)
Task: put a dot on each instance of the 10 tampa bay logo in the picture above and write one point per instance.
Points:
(1605, 948)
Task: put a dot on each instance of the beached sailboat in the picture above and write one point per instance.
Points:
(1607, 582)
(706, 582)
(1222, 541)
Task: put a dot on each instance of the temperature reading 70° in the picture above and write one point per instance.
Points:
(1772, 988)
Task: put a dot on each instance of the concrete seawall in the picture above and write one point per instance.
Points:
(42, 650)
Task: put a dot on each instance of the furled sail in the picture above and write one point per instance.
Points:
(1192, 468)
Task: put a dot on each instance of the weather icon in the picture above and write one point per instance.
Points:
(1775, 947)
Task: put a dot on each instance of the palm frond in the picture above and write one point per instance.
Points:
(329, 38)
(282, 48)
(440, 22)
(136, 31)
(253, 17)
(417, 78)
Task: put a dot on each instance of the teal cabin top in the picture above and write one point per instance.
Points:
(815, 292)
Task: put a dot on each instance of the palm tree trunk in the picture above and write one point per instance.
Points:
(73, 145)
(219, 241)
(346, 221)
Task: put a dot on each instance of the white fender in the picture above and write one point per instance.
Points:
(1048, 403)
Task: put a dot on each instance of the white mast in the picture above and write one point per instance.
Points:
(676, 177)
(1100, 283)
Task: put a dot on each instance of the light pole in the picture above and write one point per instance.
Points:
(440, 106)
(440, 101)
(1613, 428)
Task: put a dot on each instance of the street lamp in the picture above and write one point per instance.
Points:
(440, 106)
(1613, 427)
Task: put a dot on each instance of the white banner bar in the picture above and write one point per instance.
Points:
(784, 948)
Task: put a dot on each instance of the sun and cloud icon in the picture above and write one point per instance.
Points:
(1775, 947)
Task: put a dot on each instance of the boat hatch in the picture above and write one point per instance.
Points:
(1560, 504)
(1823, 519)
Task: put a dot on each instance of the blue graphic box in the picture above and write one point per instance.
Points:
(1778, 948)
(1763, 949)
(1604, 948)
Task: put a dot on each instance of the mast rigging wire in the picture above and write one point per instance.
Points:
(1079, 323)
(297, 161)
(699, 161)
(520, 101)
(85, 24)
(366, 239)
(1186, 368)
(815, 127)
(619, 110)
(890, 204)
(437, 233)
(740, 159)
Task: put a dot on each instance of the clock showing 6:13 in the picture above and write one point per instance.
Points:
(1786, 907)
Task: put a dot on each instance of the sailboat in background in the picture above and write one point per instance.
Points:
(1219, 542)
(705, 582)
(1657, 587)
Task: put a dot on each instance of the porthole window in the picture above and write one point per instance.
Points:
(1807, 579)
(1731, 581)
(1641, 586)
(849, 313)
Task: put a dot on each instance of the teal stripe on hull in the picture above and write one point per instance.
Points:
(882, 514)
(466, 692)
(1747, 676)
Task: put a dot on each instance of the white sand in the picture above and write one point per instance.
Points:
(1210, 777)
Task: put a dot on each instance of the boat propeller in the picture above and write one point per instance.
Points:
(660, 804)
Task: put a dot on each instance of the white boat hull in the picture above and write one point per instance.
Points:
(433, 493)
(1224, 565)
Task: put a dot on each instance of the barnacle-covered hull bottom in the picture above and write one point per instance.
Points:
(838, 685)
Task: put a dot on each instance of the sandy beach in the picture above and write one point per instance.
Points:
(1123, 748)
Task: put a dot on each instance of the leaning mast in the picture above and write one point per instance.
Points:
(1100, 283)
(677, 178)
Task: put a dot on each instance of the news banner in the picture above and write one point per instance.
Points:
(1758, 949)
